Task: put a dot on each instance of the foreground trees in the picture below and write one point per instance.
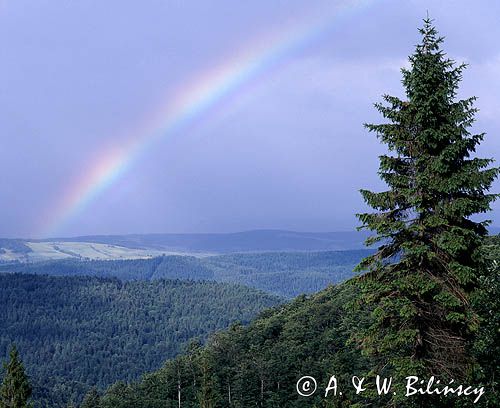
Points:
(91, 399)
(420, 280)
(259, 365)
(15, 390)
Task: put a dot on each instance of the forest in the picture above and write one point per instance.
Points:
(285, 274)
(77, 332)
(259, 364)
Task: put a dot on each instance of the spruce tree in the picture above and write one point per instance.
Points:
(419, 281)
(15, 390)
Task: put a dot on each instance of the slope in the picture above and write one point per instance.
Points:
(283, 273)
(260, 364)
(77, 332)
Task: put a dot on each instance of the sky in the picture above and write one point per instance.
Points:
(122, 116)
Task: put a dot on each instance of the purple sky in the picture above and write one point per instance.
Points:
(286, 151)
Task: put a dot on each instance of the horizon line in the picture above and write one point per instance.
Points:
(245, 231)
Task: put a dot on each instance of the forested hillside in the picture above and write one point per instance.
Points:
(78, 332)
(259, 365)
(283, 273)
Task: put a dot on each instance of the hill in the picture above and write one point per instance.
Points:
(149, 245)
(246, 241)
(78, 332)
(260, 364)
(283, 273)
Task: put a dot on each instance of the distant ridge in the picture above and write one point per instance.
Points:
(246, 241)
(141, 246)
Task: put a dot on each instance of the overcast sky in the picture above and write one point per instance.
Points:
(285, 149)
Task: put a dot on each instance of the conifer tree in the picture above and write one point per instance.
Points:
(420, 280)
(92, 399)
(15, 390)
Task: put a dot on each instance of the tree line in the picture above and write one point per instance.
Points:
(285, 274)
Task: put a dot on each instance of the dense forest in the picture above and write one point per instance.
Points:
(259, 364)
(423, 313)
(283, 273)
(78, 332)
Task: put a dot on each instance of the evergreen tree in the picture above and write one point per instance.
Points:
(15, 390)
(92, 399)
(486, 302)
(420, 280)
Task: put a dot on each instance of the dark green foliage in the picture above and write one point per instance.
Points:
(430, 261)
(92, 399)
(287, 273)
(77, 332)
(169, 267)
(308, 336)
(486, 345)
(283, 273)
(259, 365)
(15, 390)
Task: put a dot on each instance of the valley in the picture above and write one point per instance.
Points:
(75, 333)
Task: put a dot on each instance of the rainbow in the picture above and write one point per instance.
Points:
(189, 105)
